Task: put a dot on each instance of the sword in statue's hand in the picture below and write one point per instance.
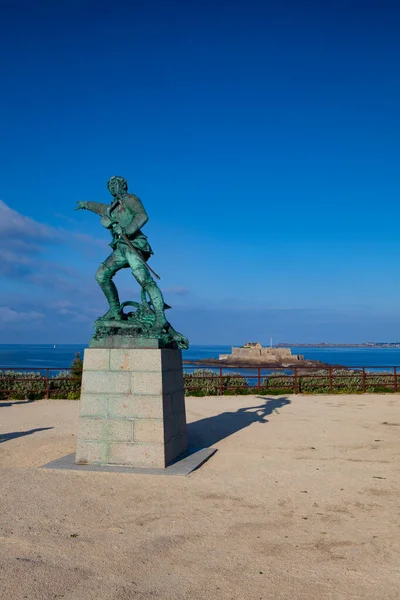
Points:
(132, 247)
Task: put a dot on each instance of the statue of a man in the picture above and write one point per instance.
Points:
(124, 217)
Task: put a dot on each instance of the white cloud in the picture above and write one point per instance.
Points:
(62, 293)
(15, 225)
(62, 304)
(11, 257)
(178, 290)
(86, 238)
(8, 315)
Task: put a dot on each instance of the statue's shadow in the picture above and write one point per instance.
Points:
(209, 431)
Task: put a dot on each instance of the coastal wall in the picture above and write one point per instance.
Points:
(272, 355)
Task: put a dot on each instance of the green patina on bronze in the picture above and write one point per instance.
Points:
(147, 325)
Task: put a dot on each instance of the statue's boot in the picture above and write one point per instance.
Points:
(113, 313)
(103, 278)
(111, 293)
(157, 301)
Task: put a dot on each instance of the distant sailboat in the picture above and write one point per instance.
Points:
(54, 346)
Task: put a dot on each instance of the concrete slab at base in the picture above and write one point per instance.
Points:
(189, 462)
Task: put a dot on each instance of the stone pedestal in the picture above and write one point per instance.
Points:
(132, 410)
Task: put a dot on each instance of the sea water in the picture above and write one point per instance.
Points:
(60, 356)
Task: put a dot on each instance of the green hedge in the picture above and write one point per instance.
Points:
(345, 381)
(204, 382)
(33, 386)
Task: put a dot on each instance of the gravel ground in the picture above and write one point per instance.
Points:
(300, 502)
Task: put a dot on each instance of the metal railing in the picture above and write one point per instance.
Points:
(295, 380)
(46, 382)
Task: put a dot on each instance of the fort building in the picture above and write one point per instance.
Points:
(254, 351)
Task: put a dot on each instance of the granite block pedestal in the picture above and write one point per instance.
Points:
(132, 410)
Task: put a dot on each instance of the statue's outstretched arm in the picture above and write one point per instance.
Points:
(96, 207)
(141, 217)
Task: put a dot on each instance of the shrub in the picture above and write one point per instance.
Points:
(278, 381)
(76, 368)
(33, 385)
(16, 396)
(344, 381)
(379, 382)
(234, 383)
(319, 382)
(20, 386)
(63, 384)
(204, 382)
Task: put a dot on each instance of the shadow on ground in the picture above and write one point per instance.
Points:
(211, 430)
(6, 437)
(14, 402)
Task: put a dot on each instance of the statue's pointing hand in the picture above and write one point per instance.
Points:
(81, 205)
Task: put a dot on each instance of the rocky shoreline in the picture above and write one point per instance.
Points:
(241, 363)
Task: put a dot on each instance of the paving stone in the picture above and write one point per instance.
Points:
(106, 382)
(90, 452)
(90, 428)
(148, 383)
(93, 405)
(148, 430)
(96, 359)
(135, 360)
(137, 455)
(142, 407)
(120, 430)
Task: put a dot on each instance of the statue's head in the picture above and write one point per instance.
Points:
(117, 186)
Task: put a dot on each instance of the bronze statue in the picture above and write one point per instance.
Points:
(124, 217)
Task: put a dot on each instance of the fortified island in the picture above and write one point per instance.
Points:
(255, 352)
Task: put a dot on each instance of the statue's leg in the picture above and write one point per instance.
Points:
(143, 277)
(104, 275)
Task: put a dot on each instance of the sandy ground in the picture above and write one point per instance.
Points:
(301, 501)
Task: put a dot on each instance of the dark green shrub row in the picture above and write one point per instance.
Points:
(204, 382)
(345, 381)
(34, 386)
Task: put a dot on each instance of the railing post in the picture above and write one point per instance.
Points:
(331, 379)
(47, 384)
(220, 381)
(395, 379)
(259, 380)
(295, 382)
(363, 380)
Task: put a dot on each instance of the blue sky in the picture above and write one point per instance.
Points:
(262, 137)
